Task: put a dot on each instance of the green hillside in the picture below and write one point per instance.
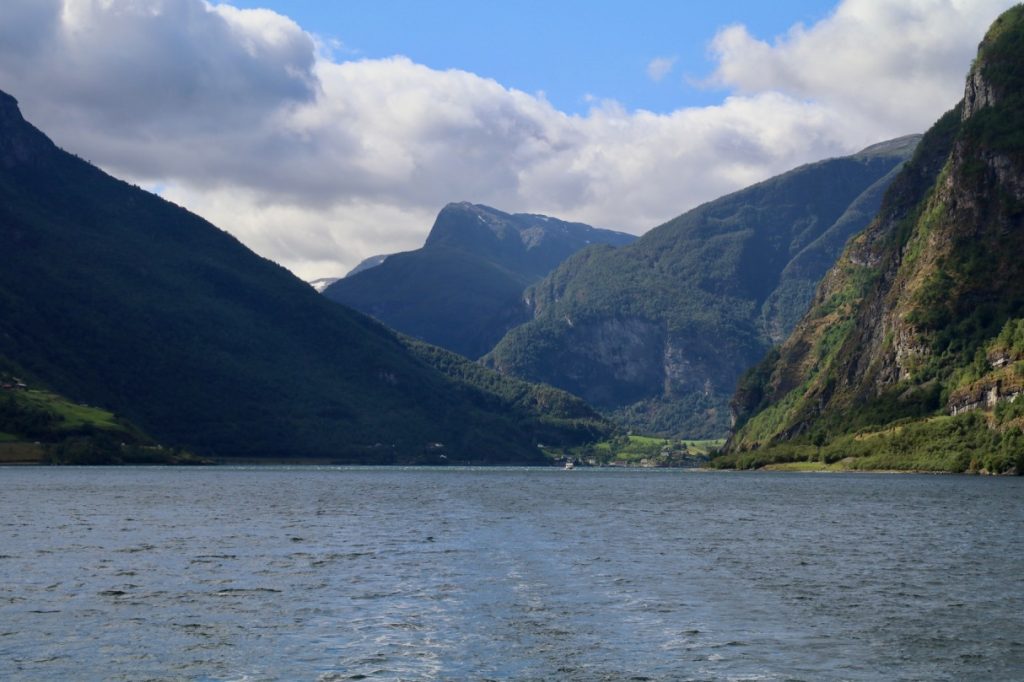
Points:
(910, 357)
(657, 333)
(40, 426)
(550, 416)
(464, 289)
(113, 297)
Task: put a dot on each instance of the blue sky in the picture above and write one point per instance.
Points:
(572, 50)
(322, 132)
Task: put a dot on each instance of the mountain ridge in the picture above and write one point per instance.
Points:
(115, 297)
(656, 333)
(463, 289)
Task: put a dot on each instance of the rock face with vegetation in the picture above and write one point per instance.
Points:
(658, 332)
(911, 355)
(113, 297)
(464, 289)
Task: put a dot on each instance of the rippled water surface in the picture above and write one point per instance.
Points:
(363, 573)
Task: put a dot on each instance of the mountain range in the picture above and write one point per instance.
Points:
(656, 333)
(463, 290)
(878, 300)
(912, 354)
(114, 297)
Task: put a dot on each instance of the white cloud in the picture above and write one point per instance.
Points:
(308, 235)
(895, 63)
(245, 118)
(659, 67)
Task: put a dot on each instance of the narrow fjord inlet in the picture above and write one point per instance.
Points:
(375, 573)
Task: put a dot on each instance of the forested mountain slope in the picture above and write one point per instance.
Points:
(657, 333)
(114, 297)
(911, 354)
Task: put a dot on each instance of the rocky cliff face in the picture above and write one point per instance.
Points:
(916, 297)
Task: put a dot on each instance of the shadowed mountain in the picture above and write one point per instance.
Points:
(114, 297)
(463, 289)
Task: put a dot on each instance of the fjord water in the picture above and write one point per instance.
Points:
(423, 574)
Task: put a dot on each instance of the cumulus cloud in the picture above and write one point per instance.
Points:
(245, 118)
(895, 63)
(659, 67)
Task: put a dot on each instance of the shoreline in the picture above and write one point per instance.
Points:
(314, 463)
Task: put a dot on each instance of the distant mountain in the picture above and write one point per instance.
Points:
(116, 298)
(657, 333)
(365, 264)
(463, 289)
(320, 284)
(912, 354)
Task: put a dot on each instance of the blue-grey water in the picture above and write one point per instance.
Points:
(417, 574)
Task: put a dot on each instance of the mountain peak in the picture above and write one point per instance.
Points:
(19, 140)
(486, 231)
(9, 111)
(900, 146)
(464, 289)
(465, 224)
(996, 73)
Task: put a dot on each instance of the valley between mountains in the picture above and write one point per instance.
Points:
(860, 312)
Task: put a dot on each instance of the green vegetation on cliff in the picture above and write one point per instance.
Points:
(971, 443)
(908, 357)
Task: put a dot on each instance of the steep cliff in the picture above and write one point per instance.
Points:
(902, 328)
(657, 333)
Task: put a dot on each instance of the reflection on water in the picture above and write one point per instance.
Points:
(418, 574)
